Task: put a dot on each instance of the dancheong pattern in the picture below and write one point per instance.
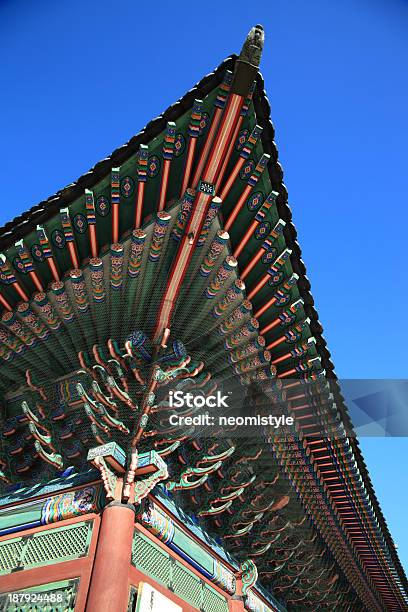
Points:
(173, 265)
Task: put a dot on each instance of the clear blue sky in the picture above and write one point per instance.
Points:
(81, 77)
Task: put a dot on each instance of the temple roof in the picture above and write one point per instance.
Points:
(193, 116)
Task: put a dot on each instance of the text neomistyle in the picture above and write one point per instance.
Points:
(206, 420)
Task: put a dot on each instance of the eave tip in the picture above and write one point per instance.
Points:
(252, 48)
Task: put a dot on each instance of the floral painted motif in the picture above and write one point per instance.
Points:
(158, 523)
(262, 230)
(136, 252)
(127, 186)
(79, 290)
(98, 287)
(255, 200)
(233, 293)
(222, 275)
(47, 311)
(247, 170)
(12, 342)
(215, 250)
(103, 206)
(236, 317)
(68, 505)
(37, 253)
(80, 223)
(116, 269)
(248, 349)
(253, 362)
(270, 255)
(33, 321)
(15, 326)
(179, 145)
(19, 265)
(204, 122)
(242, 334)
(63, 302)
(153, 166)
(159, 232)
(277, 277)
(58, 239)
(287, 318)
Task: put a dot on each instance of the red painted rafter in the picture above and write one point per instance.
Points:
(168, 151)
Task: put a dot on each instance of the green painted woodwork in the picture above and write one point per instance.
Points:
(45, 547)
(23, 514)
(191, 548)
(151, 559)
(212, 601)
(161, 567)
(187, 585)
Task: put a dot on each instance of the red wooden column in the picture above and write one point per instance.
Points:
(236, 605)
(236, 602)
(108, 589)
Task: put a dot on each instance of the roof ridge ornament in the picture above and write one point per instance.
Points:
(252, 48)
(248, 61)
